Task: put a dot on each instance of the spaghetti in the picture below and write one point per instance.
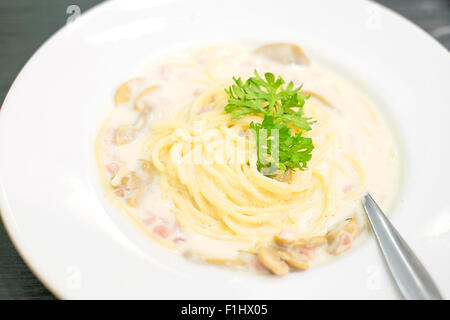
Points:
(206, 166)
(171, 157)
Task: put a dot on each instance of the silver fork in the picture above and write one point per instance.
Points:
(410, 275)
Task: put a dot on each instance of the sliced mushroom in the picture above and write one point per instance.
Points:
(271, 259)
(312, 242)
(131, 181)
(117, 179)
(140, 103)
(125, 134)
(123, 94)
(285, 238)
(319, 97)
(284, 176)
(128, 132)
(294, 259)
(133, 200)
(341, 237)
(289, 241)
(147, 167)
(120, 193)
(333, 241)
(135, 195)
(130, 186)
(353, 227)
(342, 242)
(284, 53)
(349, 225)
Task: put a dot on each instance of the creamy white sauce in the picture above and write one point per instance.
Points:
(359, 128)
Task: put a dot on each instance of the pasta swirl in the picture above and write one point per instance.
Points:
(207, 168)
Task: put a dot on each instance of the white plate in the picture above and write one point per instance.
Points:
(54, 207)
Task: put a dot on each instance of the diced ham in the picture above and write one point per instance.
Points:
(258, 265)
(179, 240)
(153, 219)
(308, 252)
(347, 240)
(161, 231)
(112, 167)
(109, 136)
(148, 221)
(345, 243)
(205, 108)
(348, 188)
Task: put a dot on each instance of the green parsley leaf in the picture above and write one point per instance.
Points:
(279, 140)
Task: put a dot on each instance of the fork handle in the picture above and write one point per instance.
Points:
(410, 275)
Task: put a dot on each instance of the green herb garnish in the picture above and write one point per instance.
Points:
(279, 141)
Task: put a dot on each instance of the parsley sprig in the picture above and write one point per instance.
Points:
(282, 109)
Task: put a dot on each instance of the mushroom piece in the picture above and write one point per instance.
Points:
(117, 179)
(294, 259)
(140, 102)
(284, 176)
(349, 225)
(271, 259)
(147, 167)
(284, 53)
(131, 181)
(147, 171)
(287, 240)
(132, 200)
(341, 237)
(312, 242)
(123, 94)
(125, 134)
(130, 186)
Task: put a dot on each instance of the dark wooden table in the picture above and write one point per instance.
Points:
(26, 24)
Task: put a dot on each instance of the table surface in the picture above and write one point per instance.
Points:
(26, 24)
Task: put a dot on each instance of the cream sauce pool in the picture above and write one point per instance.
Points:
(175, 81)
